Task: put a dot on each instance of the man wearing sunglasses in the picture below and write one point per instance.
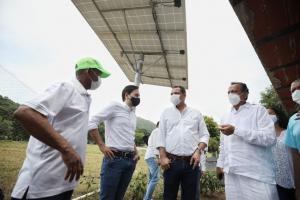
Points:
(57, 120)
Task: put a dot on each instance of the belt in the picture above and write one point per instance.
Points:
(175, 157)
(125, 154)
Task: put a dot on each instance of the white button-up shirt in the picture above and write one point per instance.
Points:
(152, 141)
(247, 151)
(66, 105)
(181, 132)
(120, 125)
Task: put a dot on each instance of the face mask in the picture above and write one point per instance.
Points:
(274, 118)
(296, 96)
(175, 99)
(135, 101)
(234, 99)
(95, 84)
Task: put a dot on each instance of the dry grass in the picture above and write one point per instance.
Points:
(13, 154)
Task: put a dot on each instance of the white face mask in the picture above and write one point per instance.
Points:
(296, 96)
(234, 99)
(95, 84)
(274, 118)
(175, 99)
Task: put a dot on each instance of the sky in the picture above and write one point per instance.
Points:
(40, 42)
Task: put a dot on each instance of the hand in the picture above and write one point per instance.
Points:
(107, 151)
(220, 173)
(227, 129)
(74, 165)
(195, 159)
(136, 157)
(164, 163)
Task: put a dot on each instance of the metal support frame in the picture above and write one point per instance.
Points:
(161, 41)
(111, 30)
(138, 72)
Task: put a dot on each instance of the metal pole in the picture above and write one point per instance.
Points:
(138, 72)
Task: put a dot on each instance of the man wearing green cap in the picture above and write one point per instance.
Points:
(57, 120)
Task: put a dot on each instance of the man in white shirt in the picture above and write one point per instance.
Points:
(182, 136)
(57, 121)
(247, 135)
(119, 148)
(152, 162)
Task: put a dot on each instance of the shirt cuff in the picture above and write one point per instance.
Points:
(204, 140)
(39, 108)
(92, 126)
(220, 164)
(160, 144)
(239, 132)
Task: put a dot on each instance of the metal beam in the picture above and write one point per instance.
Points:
(110, 29)
(175, 79)
(137, 32)
(154, 53)
(160, 40)
(128, 8)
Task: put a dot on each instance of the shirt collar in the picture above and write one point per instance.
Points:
(127, 107)
(244, 106)
(79, 87)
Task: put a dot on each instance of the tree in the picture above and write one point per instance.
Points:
(269, 99)
(212, 127)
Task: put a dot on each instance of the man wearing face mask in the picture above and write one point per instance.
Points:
(292, 138)
(119, 148)
(247, 136)
(183, 135)
(57, 120)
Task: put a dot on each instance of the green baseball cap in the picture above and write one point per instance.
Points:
(91, 63)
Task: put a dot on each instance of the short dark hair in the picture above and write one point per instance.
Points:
(182, 89)
(128, 89)
(283, 119)
(243, 86)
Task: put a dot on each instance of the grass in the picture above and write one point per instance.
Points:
(13, 155)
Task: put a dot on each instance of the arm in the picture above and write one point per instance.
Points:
(220, 162)
(39, 127)
(99, 141)
(161, 144)
(203, 141)
(264, 135)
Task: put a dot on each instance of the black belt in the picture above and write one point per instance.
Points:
(175, 157)
(125, 154)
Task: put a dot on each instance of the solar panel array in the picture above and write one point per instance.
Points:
(156, 29)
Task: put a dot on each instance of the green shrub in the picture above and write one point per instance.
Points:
(210, 184)
(137, 187)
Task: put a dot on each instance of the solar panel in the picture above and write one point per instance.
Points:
(154, 30)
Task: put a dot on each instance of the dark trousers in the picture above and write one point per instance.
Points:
(285, 194)
(62, 196)
(181, 173)
(115, 177)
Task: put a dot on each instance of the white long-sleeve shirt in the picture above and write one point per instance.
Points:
(151, 149)
(120, 125)
(247, 151)
(181, 132)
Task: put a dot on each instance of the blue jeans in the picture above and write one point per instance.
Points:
(115, 177)
(181, 173)
(153, 177)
